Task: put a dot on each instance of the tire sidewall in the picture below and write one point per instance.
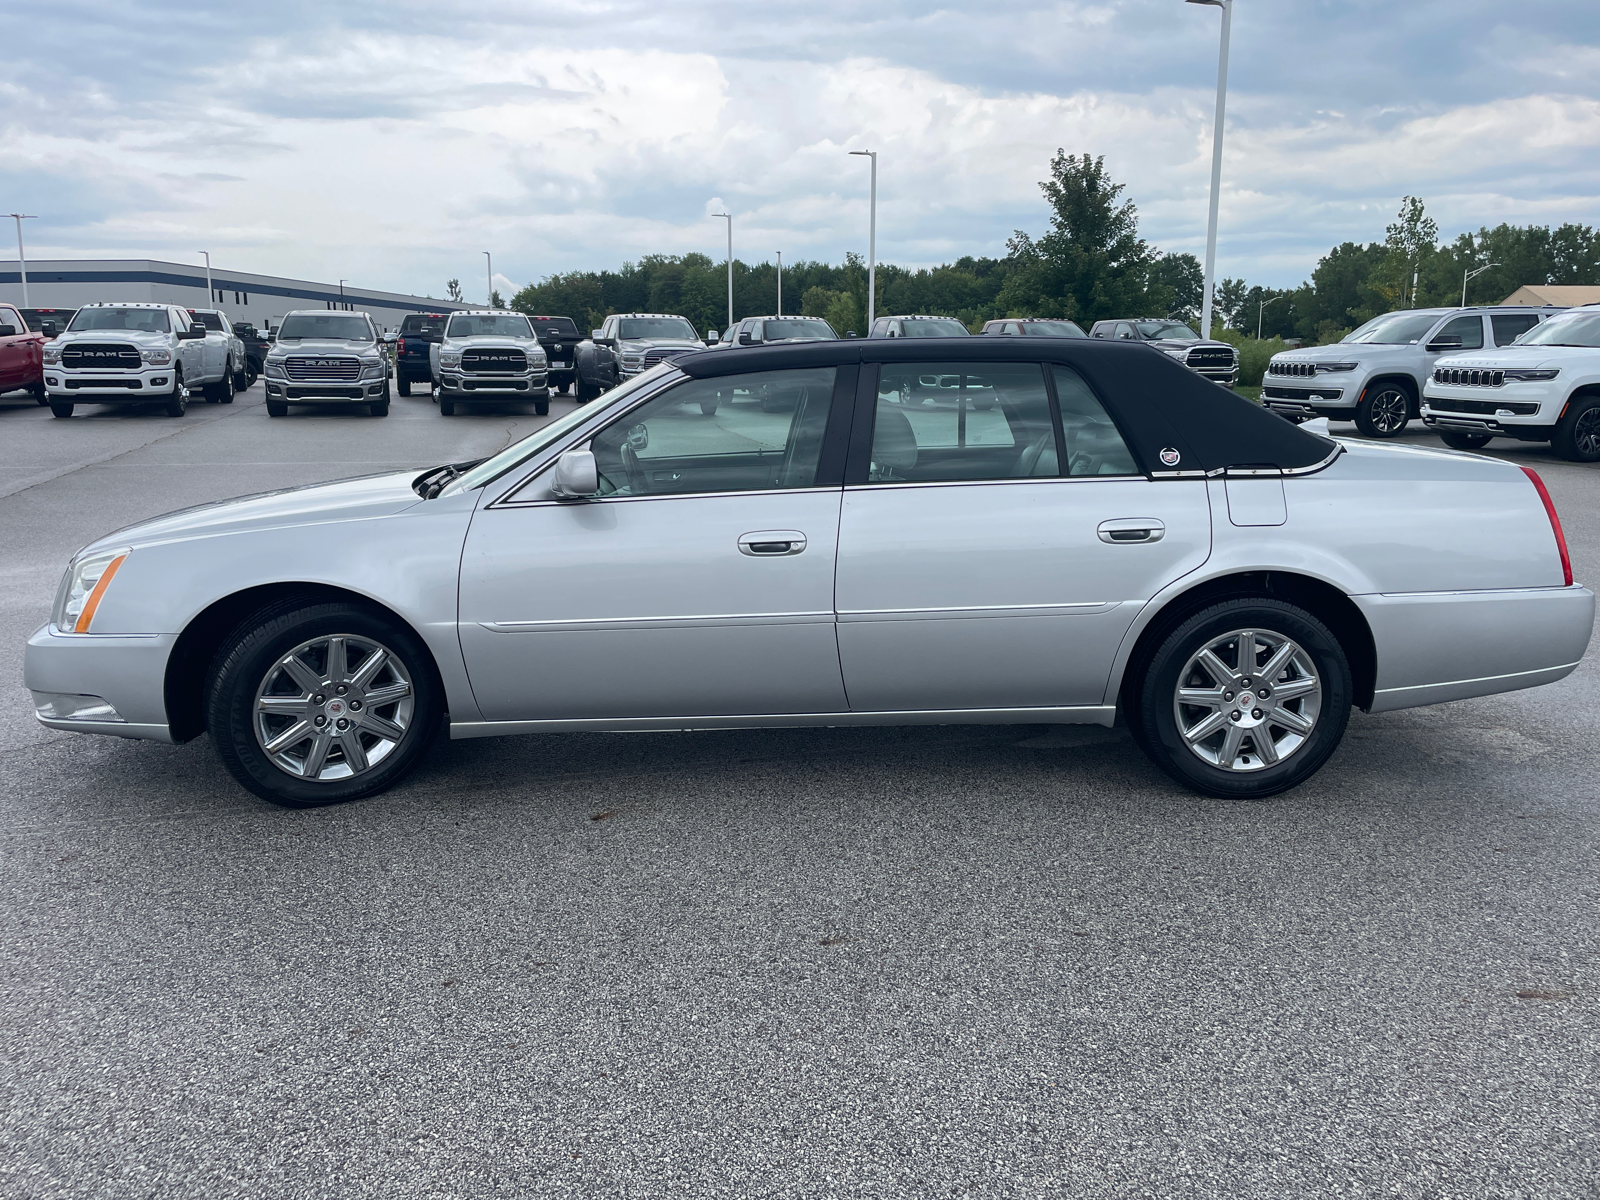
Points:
(1566, 438)
(1159, 727)
(243, 662)
(1364, 411)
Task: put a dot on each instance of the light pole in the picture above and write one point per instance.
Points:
(1261, 308)
(872, 238)
(728, 217)
(489, 275)
(1216, 160)
(780, 283)
(1466, 275)
(342, 282)
(211, 292)
(22, 259)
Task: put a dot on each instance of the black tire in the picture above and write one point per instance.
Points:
(586, 391)
(379, 408)
(241, 381)
(61, 409)
(40, 396)
(566, 388)
(1577, 436)
(250, 661)
(1154, 711)
(404, 385)
(226, 389)
(541, 408)
(1384, 410)
(1457, 440)
(447, 406)
(277, 408)
(178, 402)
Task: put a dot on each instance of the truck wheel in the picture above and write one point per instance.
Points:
(277, 408)
(447, 406)
(59, 409)
(1577, 437)
(379, 408)
(1457, 440)
(178, 403)
(226, 388)
(241, 381)
(404, 385)
(40, 396)
(566, 388)
(542, 407)
(1384, 411)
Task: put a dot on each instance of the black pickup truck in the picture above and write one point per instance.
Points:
(560, 337)
(418, 332)
(255, 348)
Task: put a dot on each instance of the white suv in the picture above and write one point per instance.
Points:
(1374, 376)
(1545, 388)
(131, 353)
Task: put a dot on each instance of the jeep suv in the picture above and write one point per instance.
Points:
(412, 350)
(129, 353)
(327, 357)
(559, 337)
(1217, 361)
(1544, 387)
(1375, 375)
(490, 354)
(917, 326)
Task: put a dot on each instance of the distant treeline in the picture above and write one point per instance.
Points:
(1091, 265)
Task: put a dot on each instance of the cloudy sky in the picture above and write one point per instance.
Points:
(391, 143)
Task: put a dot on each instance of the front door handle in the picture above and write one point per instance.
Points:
(1125, 530)
(772, 543)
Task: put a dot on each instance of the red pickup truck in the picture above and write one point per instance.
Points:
(21, 355)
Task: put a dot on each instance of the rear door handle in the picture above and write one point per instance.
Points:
(1131, 529)
(772, 543)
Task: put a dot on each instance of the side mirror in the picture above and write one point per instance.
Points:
(577, 477)
(745, 339)
(713, 337)
(1445, 343)
(594, 334)
(196, 334)
(850, 333)
(8, 331)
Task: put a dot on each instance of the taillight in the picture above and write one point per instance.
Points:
(1555, 524)
(400, 346)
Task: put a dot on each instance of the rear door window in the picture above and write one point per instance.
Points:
(1509, 326)
(1093, 445)
(962, 421)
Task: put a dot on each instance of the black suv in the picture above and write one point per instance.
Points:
(560, 337)
(418, 333)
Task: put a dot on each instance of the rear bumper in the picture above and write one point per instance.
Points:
(129, 673)
(1438, 646)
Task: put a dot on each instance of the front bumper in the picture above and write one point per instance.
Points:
(110, 386)
(1309, 398)
(1501, 412)
(452, 379)
(341, 391)
(128, 672)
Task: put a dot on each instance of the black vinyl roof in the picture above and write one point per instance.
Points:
(1157, 403)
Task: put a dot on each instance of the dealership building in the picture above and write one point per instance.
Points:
(262, 300)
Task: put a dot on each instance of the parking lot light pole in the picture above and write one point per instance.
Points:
(211, 292)
(22, 259)
(1466, 275)
(728, 217)
(1216, 160)
(342, 282)
(1261, 308)
(780, 283)
(872, 238)
(489, 275)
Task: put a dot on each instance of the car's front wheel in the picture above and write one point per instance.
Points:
(1244, 700)
(322, 703)
(178, 402)
(1384, 410)
(1577, 437)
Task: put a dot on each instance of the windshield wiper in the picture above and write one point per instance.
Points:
(430, 483)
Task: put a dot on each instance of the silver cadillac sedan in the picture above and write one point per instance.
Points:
(835, 533)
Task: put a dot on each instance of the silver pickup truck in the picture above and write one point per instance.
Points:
(490, 354)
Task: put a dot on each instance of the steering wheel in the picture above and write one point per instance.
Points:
(638, 482)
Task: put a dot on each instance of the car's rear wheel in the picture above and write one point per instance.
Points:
(1384, 410)
(1577, 437)
(1245, 699)
(322, 703)
(1457, 440)
(226, 388)
(61, 409)
(404, 385)
(241, 381)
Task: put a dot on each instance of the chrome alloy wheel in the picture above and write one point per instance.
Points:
(333, 708)
(1586, 434)
(1247, 700)
(1391, 409)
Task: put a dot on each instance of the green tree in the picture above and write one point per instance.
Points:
(452, 289)
(1184, 278)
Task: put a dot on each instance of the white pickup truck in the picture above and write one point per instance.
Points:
(131, 353)
(225, 355)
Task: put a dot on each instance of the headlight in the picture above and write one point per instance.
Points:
(1530, 375)
(52, 355)
(275, 369)
(449, 358)
(156, 358)
(372, 368)
(84, 587)
(1339, 366)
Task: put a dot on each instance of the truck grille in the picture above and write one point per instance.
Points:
(1214, 357)
(1485, 408)
(308, 367)
(1464, 377)
(92, 354)
(1300, 370)
(494, 362)
(652, 357)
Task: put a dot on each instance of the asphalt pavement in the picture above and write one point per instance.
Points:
(961, 961)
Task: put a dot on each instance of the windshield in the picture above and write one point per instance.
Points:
(207, 321)
(1171, 331)
(1394, 329)
(1052, 329)
(138, 320)
(933, 329)
(562, 326)
(491, 468)
(336, 326)
(656, 327)
(1569, 329)
(776, 331)
(496, 326)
